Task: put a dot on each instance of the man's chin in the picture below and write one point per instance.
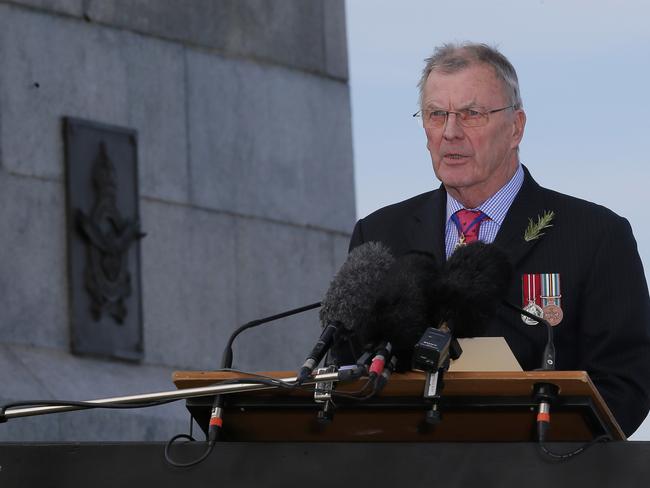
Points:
(455, 176)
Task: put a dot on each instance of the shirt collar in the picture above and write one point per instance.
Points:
(496, 207)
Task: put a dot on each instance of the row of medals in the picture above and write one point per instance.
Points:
(551, 311)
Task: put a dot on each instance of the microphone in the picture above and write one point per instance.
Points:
(405, 306)
(474, 281)
(417, 295)
(432, 351)
(382, 355)
(318, 351)
(352, 293)
(385, 375)
(350, 299)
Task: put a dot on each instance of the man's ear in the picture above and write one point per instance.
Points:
(518, 127)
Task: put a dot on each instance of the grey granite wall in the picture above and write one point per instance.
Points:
(245, 160)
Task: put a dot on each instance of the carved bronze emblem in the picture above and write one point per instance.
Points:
(103, 233)
(109, 237)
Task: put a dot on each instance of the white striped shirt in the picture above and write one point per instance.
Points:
(496, 207)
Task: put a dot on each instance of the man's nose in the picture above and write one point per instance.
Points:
(453, 129)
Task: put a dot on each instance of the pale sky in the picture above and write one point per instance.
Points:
(584, 73)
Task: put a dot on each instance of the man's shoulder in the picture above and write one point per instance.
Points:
(399, 210)
(590, 221)
(576, 207)
(401, 225)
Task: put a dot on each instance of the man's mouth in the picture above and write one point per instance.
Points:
(454, 156)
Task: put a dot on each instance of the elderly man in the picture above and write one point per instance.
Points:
(576, 263)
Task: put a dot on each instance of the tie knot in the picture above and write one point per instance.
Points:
(468, 223)
(468, 216)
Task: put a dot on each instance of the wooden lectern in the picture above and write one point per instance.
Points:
(475, 406)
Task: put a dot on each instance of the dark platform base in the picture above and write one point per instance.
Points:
(233, 465)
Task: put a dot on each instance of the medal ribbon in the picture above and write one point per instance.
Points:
(464, 233)
(531, 289)
(550, 289)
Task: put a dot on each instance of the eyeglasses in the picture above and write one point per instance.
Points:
(468, 117)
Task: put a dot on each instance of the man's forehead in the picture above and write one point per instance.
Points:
(471, 86)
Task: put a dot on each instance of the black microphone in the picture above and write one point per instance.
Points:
(405, 307)
(432, 352)
(318, 351)
(385, 375)
(350, 299)
(417, 294)
(473, 282)
(381, 356)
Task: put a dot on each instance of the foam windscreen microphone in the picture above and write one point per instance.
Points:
(350, 298)
(405, 307)
(473, 282)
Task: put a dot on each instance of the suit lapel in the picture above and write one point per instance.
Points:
(427, 226)
(528, 204)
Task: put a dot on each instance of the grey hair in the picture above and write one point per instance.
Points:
(453, 57)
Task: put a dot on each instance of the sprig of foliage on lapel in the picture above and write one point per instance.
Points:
(534, 229)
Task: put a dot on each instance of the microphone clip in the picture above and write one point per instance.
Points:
(545, 392)
(433, 385)
(323, 394)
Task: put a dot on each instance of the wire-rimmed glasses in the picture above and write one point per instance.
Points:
(469, 117)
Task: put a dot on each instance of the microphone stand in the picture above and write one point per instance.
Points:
(226, 359)
(543, 393)
(16, 412)
(432, 354)
(216, 419)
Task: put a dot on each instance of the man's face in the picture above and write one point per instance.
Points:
(474, 162)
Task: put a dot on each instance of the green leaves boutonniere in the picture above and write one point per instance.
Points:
(534, 229)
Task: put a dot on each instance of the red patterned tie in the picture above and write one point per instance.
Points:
(468, 223)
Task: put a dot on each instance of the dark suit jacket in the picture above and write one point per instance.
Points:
(606, 326)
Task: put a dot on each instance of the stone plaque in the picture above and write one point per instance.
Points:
(103, 239)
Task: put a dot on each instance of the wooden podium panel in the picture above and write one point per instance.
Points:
(476, 406)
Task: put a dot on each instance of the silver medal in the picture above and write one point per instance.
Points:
(535, 309)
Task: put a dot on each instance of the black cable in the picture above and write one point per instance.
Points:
(261, 380)
(176, 464)
(561, 457)
(354, 395)
(372, 393)
(253, 378)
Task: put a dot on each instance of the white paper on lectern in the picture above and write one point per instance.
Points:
(485, 354)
